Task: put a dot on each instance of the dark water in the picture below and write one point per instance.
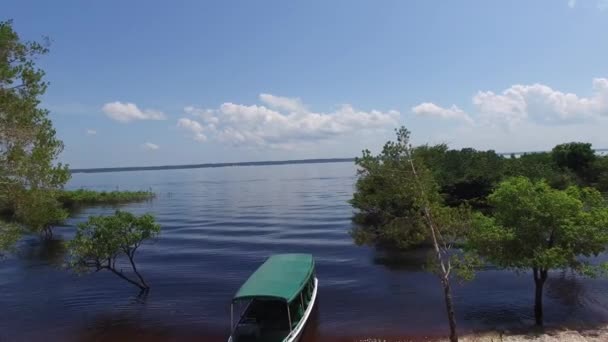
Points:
(218, 226)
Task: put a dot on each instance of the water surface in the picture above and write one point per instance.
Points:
(218, 226)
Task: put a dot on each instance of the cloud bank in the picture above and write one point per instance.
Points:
(280, 122)
(536, 103)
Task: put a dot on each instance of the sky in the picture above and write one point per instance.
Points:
(157, 83)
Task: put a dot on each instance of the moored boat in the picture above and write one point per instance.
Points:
(274, 304)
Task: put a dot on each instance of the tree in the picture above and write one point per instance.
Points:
(28, 145)
(387, 214)
(576, 156)
(9, 234)
(399, 203)
(39, 210)
(466, 175)
(540, 166)
(599, 170)
(102, 240)
(536, 227)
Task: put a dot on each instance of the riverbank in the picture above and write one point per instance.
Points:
(599, 334)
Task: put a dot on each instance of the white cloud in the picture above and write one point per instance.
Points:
(433, 110)
(283, 103)
(126, 112)
(193, 127)
(602, 5)
(542, 104)
(285, 123)
(150, 146)
(536, 103)
(571, 3)
(91, 131)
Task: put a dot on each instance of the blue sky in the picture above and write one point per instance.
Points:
(150, 82)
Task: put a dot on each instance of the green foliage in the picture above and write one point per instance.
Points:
(598, 172)
(536, 226)
(540, 166)
(39, 210)
(9, 234)
(575, 156)
(388, 207)
(464, 176)
(74, 198)
(388, 210)
(28, 145)
(541, 228)
(102, 240)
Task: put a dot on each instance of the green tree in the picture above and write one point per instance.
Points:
(387, 213)
(399, 204)
(599, 170)
(536, 227)
(464, 176)
(9, 234)
(28, 145)
(102, 240)
(576, 156)
(540, 166)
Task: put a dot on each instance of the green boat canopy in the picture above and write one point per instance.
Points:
(282, 276)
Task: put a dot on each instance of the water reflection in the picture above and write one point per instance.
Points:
(566, 288)
(401, 260)
(44, 250)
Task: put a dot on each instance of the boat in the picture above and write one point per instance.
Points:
(274, 304)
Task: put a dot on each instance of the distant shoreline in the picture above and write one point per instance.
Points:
(211, 165)
(258, 163)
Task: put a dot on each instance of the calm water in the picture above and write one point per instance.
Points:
(218, 226)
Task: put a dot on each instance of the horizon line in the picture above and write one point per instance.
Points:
(249, 163)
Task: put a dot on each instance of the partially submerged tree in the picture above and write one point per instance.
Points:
(538, 228)
(28, 145)
(102, 240)
(387, 214)
(39, 210)
(9, 234)
(400, 205)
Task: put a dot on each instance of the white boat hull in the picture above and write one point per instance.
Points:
(296, 333)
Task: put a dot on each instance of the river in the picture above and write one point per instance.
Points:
(219, 224)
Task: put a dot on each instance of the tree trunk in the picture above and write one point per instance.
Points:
(449, 305)
(540, 276)
(142, 287)
(141, 279)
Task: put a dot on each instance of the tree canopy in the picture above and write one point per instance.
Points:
(534, 226)
(400, 205)
(28, 143)
(102, 240)
(387, 211)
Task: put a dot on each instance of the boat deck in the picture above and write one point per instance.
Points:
(270, 318)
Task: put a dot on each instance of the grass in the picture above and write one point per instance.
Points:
(75, 198)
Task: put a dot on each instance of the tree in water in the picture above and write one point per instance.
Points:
(102, 240)
(28, 145)
(399, 204)
(9, 234)
(539, 228)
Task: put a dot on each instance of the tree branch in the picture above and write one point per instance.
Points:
(121, 275)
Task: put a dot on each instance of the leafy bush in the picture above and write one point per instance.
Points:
(102, 240)
(74, 198)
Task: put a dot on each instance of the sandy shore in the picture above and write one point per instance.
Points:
(587, 335)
